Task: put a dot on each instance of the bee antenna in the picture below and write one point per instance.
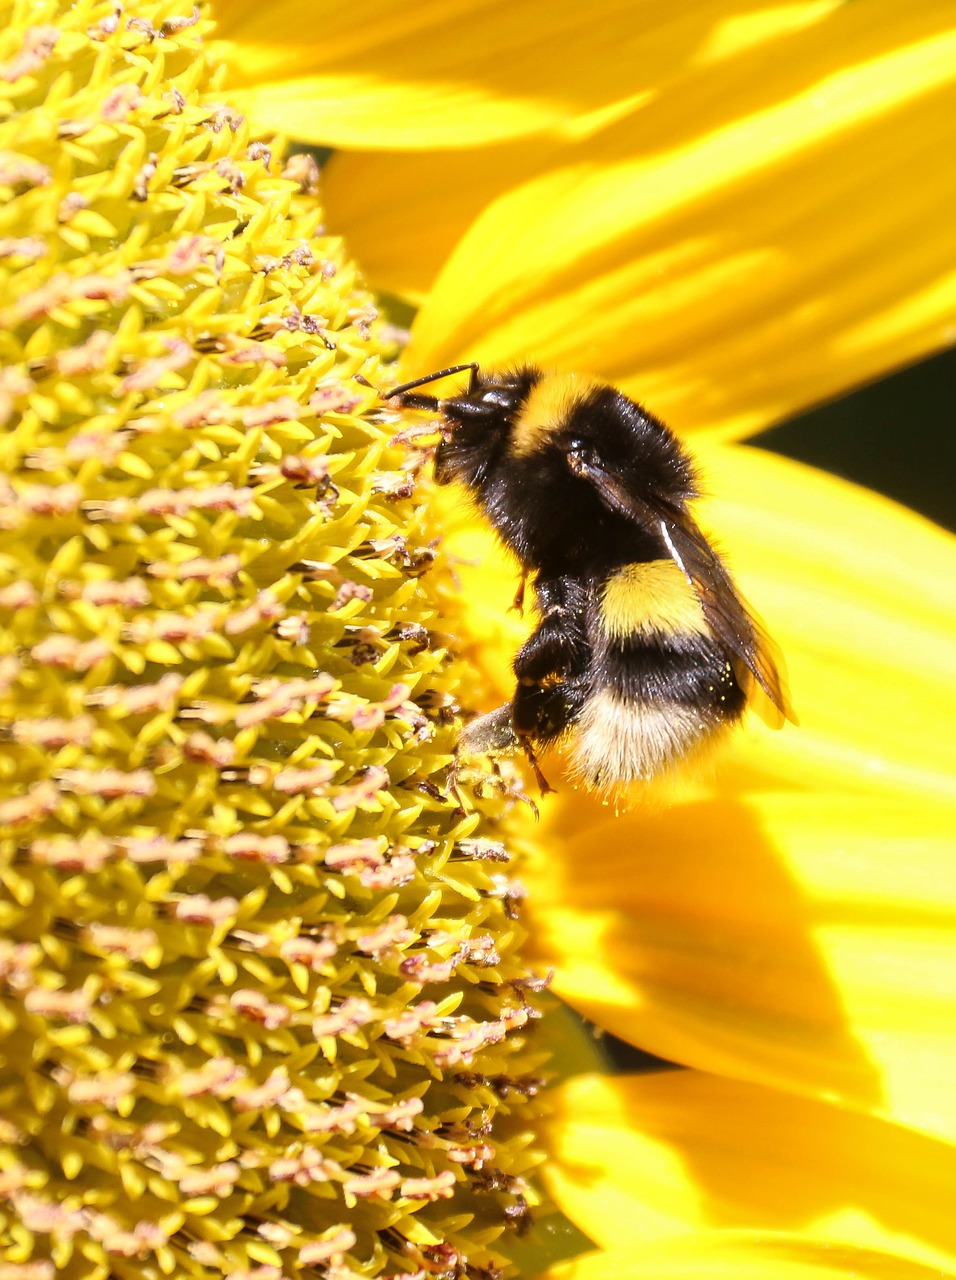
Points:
(434, 377)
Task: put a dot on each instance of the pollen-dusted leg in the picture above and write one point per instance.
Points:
(488, 735)
(491, 734)
(538, 714)
(552, 680)
(494, 734)
(551, 668)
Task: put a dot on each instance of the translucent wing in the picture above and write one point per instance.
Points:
(728, 615)
(732, 621)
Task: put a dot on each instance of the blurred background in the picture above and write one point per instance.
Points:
(897, 435)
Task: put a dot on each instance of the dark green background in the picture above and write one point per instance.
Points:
(897, 435)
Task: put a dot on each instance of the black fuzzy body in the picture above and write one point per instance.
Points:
(590, 493)
(549, 518)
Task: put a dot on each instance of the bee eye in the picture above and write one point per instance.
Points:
(578, 453)
(498, 397)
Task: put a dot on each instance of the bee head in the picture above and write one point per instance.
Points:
(547, 456)
(476, 423)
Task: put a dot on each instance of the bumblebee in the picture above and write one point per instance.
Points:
(644, 652)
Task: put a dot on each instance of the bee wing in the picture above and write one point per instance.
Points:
(728, 615)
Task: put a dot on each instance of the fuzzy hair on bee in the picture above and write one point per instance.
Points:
(644, 653)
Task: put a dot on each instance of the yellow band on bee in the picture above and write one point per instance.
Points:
(652, 598)
(547, 408)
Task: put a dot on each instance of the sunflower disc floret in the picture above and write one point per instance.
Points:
(261, 1008)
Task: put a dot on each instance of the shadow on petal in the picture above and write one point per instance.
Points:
(684, 932)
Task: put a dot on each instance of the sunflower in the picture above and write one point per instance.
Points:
(262, 994)
(731, 212)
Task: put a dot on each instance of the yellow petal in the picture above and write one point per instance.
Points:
(856, 590)
(733, 1255)
(402, 243)
(447, 74)
(459, 73)
(804, 940)
(640, 1158)
(758, 237)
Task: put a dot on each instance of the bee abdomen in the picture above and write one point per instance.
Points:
(653, 707)
(687, 671)
(619, 740)
(663, 687)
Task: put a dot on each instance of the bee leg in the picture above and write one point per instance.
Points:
(452, 789)
(542, 714)
(557, 649)
(491, 734)
(517, 604)
(544, 786)
(495, 734)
